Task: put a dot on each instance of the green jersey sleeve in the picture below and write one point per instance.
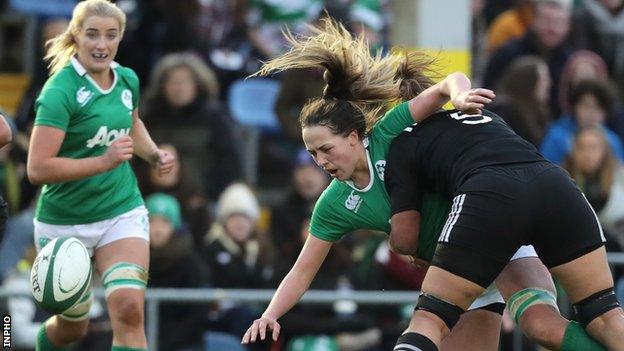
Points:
(326, 223)
(394, 121)
(53, 108)
(133, 82)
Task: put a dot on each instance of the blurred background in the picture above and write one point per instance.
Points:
(234, 212)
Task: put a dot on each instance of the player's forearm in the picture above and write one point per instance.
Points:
(408, 247)
(454, 84)
(144, 146)
(404, 232)
(290, 290)
(432, 99)
(63, 169)
(299, 278)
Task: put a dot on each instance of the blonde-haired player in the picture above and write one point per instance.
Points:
(86, 130)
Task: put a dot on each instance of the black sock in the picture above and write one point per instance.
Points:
(421, 342)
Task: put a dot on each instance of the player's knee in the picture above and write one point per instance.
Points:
(520, 303)
(124, 284)
(539, 329)
(532, 320)
(595, 306)
(70, 331)
(447, 312)
(126, 306)
(80, 330)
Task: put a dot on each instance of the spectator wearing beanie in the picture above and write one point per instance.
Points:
(174, 264)
(235, 256)
(232, 247)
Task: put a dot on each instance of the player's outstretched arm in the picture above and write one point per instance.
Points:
(290, 290)
(457, 88)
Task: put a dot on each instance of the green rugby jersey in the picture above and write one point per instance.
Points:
(92, 119)
(342, 208)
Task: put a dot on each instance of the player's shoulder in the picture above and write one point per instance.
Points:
(486, 112)
(64, 78)
(331, 195)
(126, 73)
(60, 86)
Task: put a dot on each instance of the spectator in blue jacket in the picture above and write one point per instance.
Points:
(591, 103)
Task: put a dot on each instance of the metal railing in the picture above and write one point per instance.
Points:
(155, 296)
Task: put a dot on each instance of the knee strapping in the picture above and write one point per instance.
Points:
(124, 275)
(447, 311)
(414, 341)
(80, 311)
(519, 302)
(588, 309)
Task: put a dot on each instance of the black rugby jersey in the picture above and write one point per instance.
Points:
(438, 153)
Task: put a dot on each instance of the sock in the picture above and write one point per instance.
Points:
(124, 348)
(44, 344)
(414, 342)
(577, 339)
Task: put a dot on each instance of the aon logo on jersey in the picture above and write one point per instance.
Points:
(104, 137)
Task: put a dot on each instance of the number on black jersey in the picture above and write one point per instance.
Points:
(471, 119)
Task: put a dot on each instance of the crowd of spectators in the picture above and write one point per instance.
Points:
(557, 67)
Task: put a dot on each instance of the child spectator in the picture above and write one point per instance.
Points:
(601, 177)
(591, 104)
(236, 256)
(195, 212)
(308, 182)
(174, 264)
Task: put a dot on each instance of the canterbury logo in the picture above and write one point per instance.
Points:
(353, 202)
(83, 96)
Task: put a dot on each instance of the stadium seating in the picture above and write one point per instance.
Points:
(252, 103)
(12, 87)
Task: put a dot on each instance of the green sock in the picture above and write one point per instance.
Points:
(577, 339)
(124, 348)
(44, 344)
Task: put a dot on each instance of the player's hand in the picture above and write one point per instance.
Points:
(164, 162)
(260, 327)
(418, 262)
(119, 151)
(473, 100)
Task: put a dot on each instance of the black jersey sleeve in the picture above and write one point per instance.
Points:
(402, 179)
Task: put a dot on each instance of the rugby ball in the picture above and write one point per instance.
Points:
(61, 274)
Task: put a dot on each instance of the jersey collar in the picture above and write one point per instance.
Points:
(79, 68)
(371, 175)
